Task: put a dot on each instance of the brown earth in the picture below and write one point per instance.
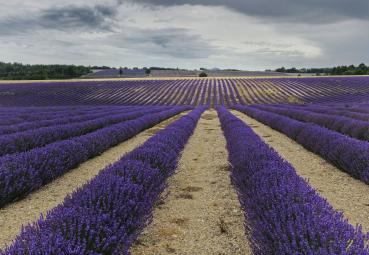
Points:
(199, 213)
(28, 210)
(342, 191)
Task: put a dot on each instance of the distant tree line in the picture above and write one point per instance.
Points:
(100, 67)
(351, 70)
(18, 71)
(361, 69)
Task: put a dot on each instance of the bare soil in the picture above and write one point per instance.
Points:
(28, 210)
(200, 212)
(343, 192)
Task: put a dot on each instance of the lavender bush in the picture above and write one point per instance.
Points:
(355, 128)
(29, 139)
(332, 110)
(106, 215)
(284, 215)
(349, 154)
(25, 172)
(19, 115)
(69, 117)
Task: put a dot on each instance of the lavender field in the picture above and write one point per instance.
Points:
(209, 92)
(185, 166)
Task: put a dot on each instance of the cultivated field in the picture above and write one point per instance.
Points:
(185, 166)
(209, 92)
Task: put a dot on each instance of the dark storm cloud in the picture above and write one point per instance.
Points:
(305, 11)
(61, 18)
(75, 17)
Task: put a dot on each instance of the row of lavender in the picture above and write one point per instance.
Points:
(284, 214)
(27, 115)
(46, 120)
(106, 215)
(209, 92)
(349, 154)
(356, 111)
(344, 122)
(34, 136)
(41, 162)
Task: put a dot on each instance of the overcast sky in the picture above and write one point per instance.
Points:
(244, 34)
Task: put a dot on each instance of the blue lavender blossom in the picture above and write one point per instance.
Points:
(22, 173)
(346, 125)
(106, 215)
(29, 139)
(348, 154)
(283, 214)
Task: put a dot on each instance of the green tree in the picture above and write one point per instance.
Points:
(18, 71)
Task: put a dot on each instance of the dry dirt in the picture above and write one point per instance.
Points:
(343, 192)
(28, 210)
(200, 213)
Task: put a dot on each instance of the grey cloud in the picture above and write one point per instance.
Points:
(304, 11)
(69, 17)
(173, 42)
(74, 17)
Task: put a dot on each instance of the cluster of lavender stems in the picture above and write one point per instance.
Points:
(283, 214)
(106, 215)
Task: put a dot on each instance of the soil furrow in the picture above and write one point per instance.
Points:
(200, 212)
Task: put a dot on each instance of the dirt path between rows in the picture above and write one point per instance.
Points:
(200, 213)
(343, 192)
(28, 210)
